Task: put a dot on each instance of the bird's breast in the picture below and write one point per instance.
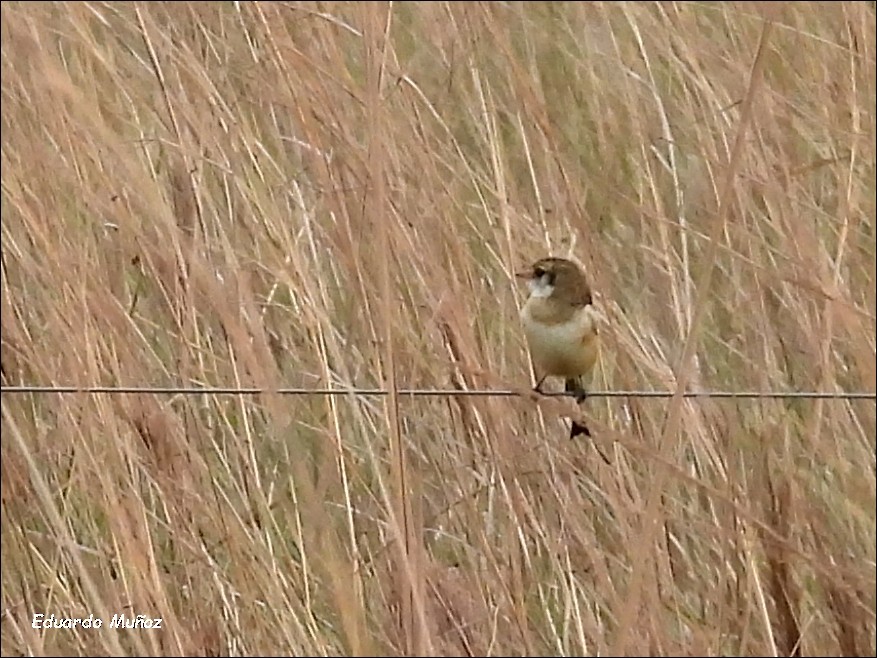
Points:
(562, 347)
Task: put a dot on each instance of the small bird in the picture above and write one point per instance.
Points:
(560, 324)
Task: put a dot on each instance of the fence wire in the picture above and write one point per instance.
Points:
(420, 392)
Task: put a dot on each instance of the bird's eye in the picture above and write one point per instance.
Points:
(538, 272)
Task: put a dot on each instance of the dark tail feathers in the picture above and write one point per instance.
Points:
(577, 429)
(575, 386)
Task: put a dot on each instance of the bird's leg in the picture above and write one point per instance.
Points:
(538, 386)
(575, 386)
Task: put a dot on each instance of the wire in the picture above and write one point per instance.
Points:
(374, 392)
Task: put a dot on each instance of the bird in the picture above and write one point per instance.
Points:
(560, 325)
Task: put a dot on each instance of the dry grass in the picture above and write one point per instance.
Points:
(336, 194)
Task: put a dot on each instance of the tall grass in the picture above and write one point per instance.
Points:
(337, 195)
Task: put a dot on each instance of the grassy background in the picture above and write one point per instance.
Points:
(337, 195)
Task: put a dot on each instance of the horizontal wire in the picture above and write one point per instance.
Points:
(404, 392)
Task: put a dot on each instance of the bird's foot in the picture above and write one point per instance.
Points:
(572, 386)
(538, 387)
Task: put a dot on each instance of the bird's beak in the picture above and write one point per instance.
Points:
(526, 274)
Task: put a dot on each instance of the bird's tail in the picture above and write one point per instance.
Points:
(575, 385)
